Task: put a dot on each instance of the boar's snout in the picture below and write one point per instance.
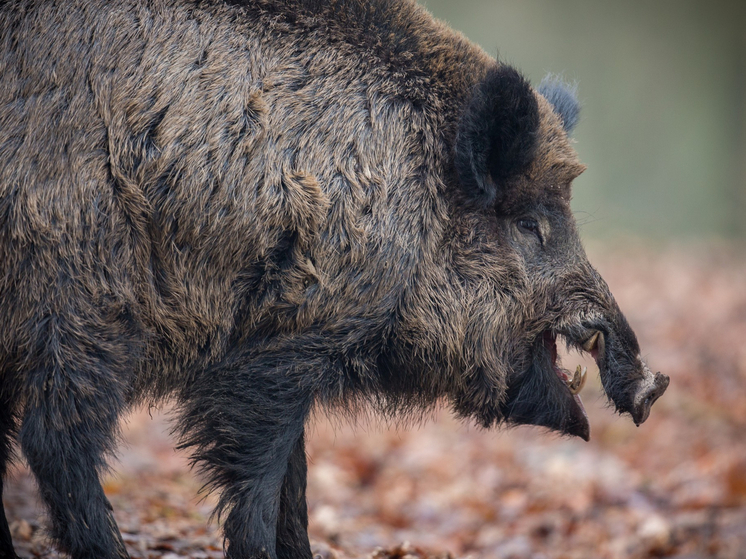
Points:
(647, 393)
(546, 394)
(626, 378)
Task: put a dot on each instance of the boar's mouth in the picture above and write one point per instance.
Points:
(548, 395)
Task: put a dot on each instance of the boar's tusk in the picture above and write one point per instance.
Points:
(578, 380)
(592, 342)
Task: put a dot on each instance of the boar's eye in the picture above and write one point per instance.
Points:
(528, 225)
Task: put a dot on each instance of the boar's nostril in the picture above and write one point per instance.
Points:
(648, 397)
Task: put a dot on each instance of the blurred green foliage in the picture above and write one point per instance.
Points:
(663, 89)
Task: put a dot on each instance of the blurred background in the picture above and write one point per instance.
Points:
(663, 91)
(662, 209)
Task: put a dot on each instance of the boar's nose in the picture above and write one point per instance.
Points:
(650, 389)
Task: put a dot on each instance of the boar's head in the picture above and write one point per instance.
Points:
(525, 282)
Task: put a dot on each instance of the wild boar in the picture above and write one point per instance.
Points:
(261, 207)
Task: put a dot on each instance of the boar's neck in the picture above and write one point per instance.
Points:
(399, 37)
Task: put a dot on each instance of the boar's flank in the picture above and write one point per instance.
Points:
(260, 207)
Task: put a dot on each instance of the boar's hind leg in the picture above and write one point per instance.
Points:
(6, 543)
(243, 421)
(7, 424)
(68, 426)
(292, 522)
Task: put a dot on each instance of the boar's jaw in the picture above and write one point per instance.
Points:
(626, 378)
(547, 395)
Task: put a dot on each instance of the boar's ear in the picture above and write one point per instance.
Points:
(497, 134)
(563, 98)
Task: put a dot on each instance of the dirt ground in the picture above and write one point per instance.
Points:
(674, 487)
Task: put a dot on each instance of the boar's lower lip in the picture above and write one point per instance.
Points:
(537, 400)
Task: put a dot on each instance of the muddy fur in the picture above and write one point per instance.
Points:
(258, 208)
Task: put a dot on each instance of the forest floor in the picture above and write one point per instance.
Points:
(674, 487)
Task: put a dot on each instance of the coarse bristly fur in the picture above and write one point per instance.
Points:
(261, 207)
(497, 134)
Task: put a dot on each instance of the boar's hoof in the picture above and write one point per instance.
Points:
(646, 397)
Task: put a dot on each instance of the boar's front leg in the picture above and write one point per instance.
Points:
(244, 420)
(68, 427)
(292, 521)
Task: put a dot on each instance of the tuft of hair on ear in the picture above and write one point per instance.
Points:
(497, 134)
(563, 97)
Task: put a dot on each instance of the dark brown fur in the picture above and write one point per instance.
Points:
(254, 207)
